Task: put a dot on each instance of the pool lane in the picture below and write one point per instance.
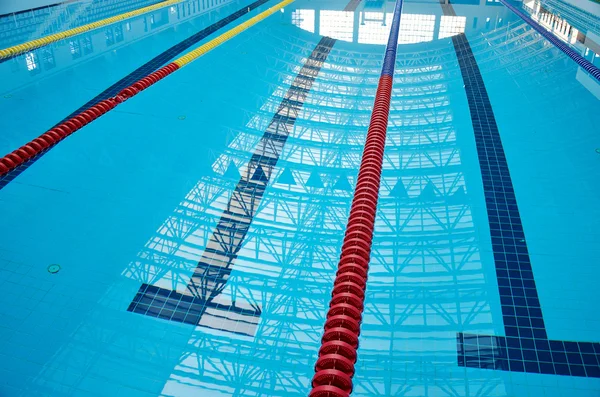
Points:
(525, 346)
(195, 304)
(592, 69)
(164, 57)
(156, 132)
(151, 157)
(274, 332)
(138, 74)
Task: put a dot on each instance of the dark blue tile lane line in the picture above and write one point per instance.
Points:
(141, 72)
(526, 347)
(171, 305)
(196, 304)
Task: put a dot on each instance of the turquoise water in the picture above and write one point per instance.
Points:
(134, 197)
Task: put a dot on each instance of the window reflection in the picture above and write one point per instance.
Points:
(118, 32)
(18, 29)
(415, 28)
(373, 27)
(31, 61)
(109, 35)
(48, 58)
(337, 24)
(75, 48)
(451, 26)
(304, 19)
(86, 44)
(557, 19)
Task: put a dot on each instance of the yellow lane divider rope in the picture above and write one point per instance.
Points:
(31, 45)
(203, 49)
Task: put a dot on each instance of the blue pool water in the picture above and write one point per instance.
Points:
(483, 274)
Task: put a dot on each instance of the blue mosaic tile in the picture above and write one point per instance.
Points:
(525, 346)
(174, 306)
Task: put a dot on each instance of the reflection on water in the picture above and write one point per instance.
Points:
(428, 277)
(586, 39)
(81, 48)
(371, 25)
(33, 24)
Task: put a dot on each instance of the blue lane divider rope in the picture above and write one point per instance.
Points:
(574, 55)
(389, 60)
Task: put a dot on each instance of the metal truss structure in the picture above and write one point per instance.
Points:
(427, 277)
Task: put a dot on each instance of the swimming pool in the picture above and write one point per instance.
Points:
(186, 242)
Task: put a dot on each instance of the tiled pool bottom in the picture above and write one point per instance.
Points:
(161, 195)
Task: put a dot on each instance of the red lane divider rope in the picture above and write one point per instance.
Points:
(63, 130)
(335, 366)
(338, 353)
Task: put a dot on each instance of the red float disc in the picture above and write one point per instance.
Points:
(70, 126)
(328, 391)
(8, 163)
(22, 153)
(335, 361)
(356, 242)
(343, 321)
(338, 347)
(83, 120)
(61, 130)
(41, 142)
(29, 149)
(354, 268)
(333, 377)
(349, 286)
(15, 158)
(354, 233)
(78, 124)
(347, 298)
(36, 146)
(352, 277)
(345, 309)
(53, 135)
(341, 334)
(357, 250)
(359, 227)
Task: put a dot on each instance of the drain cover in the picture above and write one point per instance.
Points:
(598, 150)
(53, 269)
(181, 117)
